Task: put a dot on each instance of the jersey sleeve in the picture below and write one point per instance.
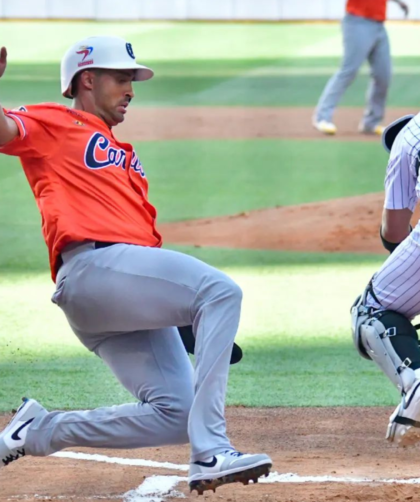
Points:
(32, 132)
(401, 176)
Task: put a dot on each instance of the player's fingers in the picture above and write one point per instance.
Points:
(3, 55)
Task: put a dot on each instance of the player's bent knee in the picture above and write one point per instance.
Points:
(177, 429)
(235, 291)
(224, 287)
(379, 336)
(348, 75)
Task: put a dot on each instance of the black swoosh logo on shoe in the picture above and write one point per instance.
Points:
(207, 464)
(15, 435)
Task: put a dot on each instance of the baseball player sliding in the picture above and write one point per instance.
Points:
(122, 294)
(381, 316)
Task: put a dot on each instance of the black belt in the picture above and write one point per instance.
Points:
(99, 244)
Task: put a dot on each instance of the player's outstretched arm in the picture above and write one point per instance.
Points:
(8, 128)
(404, 7)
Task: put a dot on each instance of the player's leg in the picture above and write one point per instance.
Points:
(154, 367)
(358, 39)
(383, 333)
(380, 63)
(123, 288)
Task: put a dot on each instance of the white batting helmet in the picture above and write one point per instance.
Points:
(99, 52)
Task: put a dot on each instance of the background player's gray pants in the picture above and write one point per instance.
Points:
(363, 39)
(121, 301)
(397, 283)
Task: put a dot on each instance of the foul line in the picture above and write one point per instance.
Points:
(137, 462)
(274, 477)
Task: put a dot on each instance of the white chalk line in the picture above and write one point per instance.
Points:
(136, 462)
(274, 477)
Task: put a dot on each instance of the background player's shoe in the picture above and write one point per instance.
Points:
(325, 127)
(404, 423)
(228, 467)
(12, 438)
(377, 130)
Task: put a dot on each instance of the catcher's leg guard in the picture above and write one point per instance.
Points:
(390, 340)
(372, 333)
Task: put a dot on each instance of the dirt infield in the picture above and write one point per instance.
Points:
(147, 124)
(343, 225)
(343, 443)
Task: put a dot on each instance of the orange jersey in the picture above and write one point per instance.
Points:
(370, 9)
(87, 184)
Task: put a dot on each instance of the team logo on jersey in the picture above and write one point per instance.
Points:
(100, 155)
(130, 51)
(85, 51)
(20, 109)
(136, 165)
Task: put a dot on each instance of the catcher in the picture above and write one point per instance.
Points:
(382, 315)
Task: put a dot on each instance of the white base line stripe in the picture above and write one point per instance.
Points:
(137, 462)
(274, 477)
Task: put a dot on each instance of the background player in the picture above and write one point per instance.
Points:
(381, 317)
(121, 293)
(364, 38)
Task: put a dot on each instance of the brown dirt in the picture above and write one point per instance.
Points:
(147, 124)
(343, 225)
(345, 442)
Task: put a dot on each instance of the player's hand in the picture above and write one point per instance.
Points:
(3, 60)
(404, 7)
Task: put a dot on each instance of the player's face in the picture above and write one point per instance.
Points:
(113, 91)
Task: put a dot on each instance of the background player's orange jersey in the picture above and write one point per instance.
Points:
(87, 184)
(371, 9)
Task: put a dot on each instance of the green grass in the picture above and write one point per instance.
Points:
(265, 82)
(209, 64)
(294, 331)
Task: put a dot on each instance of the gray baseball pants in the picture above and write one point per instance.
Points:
(363, 39)
(123, 302)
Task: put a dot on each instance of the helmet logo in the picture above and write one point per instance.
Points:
(130, 51)
(85, 51)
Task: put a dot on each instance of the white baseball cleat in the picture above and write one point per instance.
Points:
(404, 423)
(228, 467)
(325, 127)
(12, 438)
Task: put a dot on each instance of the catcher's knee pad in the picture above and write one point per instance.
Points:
(372, 333)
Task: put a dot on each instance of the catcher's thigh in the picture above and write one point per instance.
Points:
(396, 285)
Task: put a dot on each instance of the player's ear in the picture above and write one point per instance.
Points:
(86, 80)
